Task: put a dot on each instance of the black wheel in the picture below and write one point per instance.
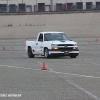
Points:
(46, 53)
(30, 55)
(73, 55)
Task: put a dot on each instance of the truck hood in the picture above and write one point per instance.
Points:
(62, 42)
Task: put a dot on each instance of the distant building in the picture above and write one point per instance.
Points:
(22, 7)
(28, 8)
(3, 7)
(12, 8)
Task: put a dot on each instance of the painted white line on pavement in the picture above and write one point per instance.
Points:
(52, 71)
(18, 67)
(83, 90)
(25, 55)
(92, 62)
(3, 65)
(74, 74)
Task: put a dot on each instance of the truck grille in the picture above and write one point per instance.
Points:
(65, 45)
(65, 49)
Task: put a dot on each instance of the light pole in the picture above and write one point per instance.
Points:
(36, 5)
(22, 1)
(7, 6)
(7, 2)
(65, 1)
(51, 3)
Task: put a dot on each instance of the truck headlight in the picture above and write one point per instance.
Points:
(54, 46)
(75, 48)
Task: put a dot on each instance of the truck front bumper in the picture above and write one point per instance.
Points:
(63, 52)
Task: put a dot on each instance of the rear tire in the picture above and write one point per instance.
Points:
(30, 55)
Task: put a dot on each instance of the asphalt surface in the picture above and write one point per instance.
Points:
(21, 78)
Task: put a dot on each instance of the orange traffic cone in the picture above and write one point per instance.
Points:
(96, 39)
(89, 42)
(44, 66)
(3, 47)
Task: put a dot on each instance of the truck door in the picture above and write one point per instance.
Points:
(39, 44)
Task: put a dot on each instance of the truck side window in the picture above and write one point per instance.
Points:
(40, 37)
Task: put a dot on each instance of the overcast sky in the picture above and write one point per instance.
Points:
(33, 2)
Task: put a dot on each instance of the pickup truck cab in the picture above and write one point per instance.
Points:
(50, 44)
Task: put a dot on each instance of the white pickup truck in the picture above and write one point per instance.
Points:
(51, 44)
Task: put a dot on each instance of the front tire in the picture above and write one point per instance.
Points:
(30, 55)
(46, 53)
(73, 55)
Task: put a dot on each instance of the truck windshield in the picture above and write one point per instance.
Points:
(55, 36)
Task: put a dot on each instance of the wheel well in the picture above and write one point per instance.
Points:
(45, 48)
(29, 47)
